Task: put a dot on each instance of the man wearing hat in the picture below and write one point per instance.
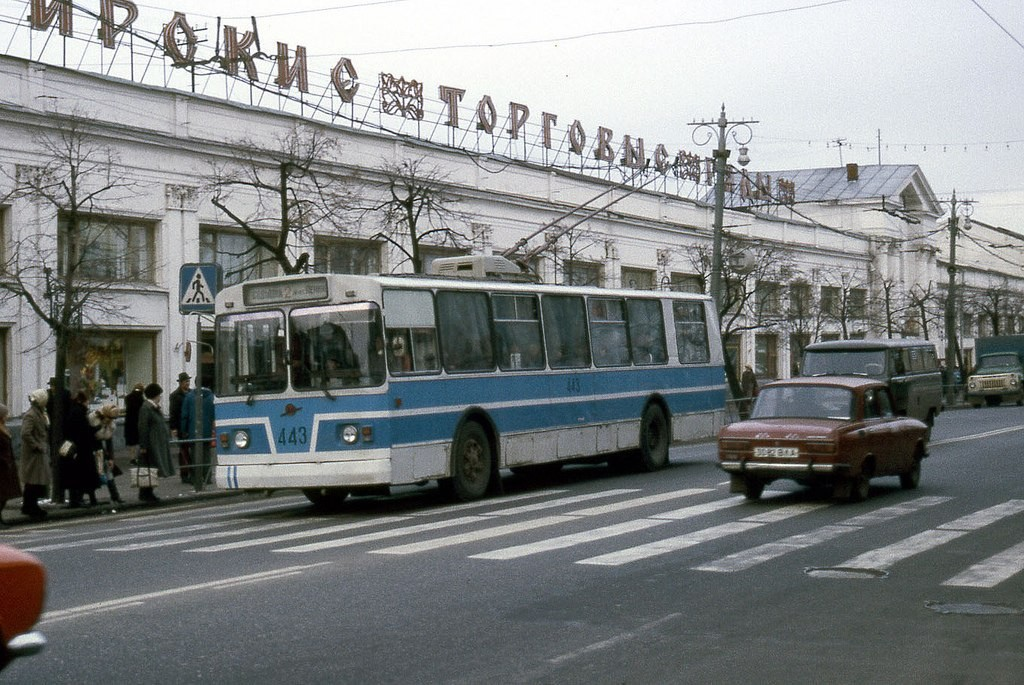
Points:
(174, 416)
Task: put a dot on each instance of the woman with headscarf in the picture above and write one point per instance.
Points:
(10, 484)
(102, 422)
(154, 440)
(35, 449)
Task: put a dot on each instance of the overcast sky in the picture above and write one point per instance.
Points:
(941, 82)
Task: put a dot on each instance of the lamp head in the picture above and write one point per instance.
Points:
(744, 158)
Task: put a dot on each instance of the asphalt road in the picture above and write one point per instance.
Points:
(592, 577)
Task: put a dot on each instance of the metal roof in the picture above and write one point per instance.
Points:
(870, 182)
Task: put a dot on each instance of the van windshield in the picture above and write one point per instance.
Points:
(844, 363)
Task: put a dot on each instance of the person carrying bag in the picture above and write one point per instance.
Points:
(154, 446)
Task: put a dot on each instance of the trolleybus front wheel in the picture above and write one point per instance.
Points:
(325, 497)
(472, 459)
(654, 439)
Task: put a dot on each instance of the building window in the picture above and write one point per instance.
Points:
(105, 365)
(346, 256)
(4, 214)
(429, 254)
(766, 355)
(106, 249)
(240, 258)
(858, 303)
(581, 273)
(800, 299)
(637, 279)
(768, 298)
(3, 367)
(830, 300)
(687, 283)
(797, 343)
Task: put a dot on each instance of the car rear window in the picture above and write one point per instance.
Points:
(803, 401)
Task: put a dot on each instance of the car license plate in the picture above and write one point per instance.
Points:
(776, 452)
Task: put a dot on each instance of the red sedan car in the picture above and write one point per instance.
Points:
(834, 431)
(22, 589)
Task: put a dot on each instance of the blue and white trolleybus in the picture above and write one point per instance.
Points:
(335, 384)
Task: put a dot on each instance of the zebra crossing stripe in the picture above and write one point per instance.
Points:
(673, 544)
(383, 534)
(570, 540)
(186, 540)
(741, 561)
(885, 557)
(992, 571)
(298, 535)
(475, 536)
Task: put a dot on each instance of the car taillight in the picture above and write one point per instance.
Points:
(734, 445)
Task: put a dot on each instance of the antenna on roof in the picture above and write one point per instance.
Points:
(839, 143)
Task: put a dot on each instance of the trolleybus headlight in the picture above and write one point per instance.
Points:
(349, 434)
(241, 440)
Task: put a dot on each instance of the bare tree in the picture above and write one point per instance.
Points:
(745, 266)
(925, 308)
(803, 314)
(283, 197)
(844, 301)
(997, 305)
(416, 208)
(572, 254)
(66, 278)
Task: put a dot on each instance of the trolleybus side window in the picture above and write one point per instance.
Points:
(647, 331)
(517, 327)
(336, 347)
(691, 332)
(251, 354)
(411, 332)
(465, 322)
(608, 332)
(565, 331)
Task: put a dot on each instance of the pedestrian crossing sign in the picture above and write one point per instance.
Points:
(198, 285)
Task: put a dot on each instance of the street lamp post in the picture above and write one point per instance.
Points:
(721, 156)
(957, 211)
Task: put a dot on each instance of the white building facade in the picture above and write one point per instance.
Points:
(854, 242)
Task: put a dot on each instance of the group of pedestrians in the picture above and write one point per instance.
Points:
(85, 459)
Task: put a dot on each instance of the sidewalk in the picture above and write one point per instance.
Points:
(171, 491)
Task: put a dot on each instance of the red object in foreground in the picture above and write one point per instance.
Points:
(22, 591)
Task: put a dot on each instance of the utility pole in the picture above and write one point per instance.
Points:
(957, 210)
(720, 130)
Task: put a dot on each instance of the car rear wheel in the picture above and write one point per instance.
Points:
(752, 488)
(860, 486)
(910, 478)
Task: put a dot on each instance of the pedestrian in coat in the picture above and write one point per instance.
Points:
(132, 404)
(748, 384)
(35, 454)
(154, 440)
(203, 449)
(79, 474)
(10, 484)
(174, 401)
(102, 421)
